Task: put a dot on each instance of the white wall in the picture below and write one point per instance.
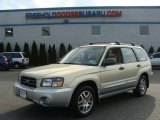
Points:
(80, 34)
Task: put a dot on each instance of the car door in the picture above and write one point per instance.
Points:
(17, 57)
(113, 76)
(132, 66)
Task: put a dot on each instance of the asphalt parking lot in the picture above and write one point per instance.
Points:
(120, 107)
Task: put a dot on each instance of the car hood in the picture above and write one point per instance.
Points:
(59, 70)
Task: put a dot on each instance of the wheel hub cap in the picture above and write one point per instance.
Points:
(142, 86)
(85, 101)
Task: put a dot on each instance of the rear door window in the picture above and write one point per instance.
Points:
(17, 55)
(128, 55)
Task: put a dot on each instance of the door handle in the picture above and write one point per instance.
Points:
(121, 68)
(138, 65)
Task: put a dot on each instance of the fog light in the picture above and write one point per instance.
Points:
(44, 101)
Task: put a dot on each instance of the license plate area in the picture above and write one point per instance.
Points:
(23, 94)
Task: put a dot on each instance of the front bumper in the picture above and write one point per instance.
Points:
(59, 97)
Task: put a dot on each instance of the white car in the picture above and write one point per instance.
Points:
(19, 59)
(155, 59)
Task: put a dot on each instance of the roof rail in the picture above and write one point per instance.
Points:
(132, 44)
(100, 43)
(113, 43)
(118, 43)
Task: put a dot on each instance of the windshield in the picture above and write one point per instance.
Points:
(84, 56)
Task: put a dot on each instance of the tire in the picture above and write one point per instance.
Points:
(141, 88)
(16, 65)
(83, 101)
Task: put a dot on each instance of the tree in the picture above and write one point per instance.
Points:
(62, 50)
(151, 50)
(50, 55)
(26, 50)
(54, 54)
(158, 50)
(1, 47)
(69, 48)
(42, 55)
(17, 48)
(34, 55)
(8, 47)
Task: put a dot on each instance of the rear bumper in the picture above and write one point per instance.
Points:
(46, 96)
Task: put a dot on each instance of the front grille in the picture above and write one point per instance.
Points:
(27, 81)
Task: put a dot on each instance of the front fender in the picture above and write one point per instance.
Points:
(88, 77)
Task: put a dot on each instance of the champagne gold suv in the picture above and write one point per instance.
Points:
(85, 75)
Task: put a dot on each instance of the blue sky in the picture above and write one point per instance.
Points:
(23, 4)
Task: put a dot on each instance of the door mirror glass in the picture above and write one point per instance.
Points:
(109, 61)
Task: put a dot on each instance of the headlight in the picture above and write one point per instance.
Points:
(52, 82)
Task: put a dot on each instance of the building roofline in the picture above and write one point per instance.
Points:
(87, 7)
(78, 23)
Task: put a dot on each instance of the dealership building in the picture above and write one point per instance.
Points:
(81, 25)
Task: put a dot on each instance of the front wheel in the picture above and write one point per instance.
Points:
(83, 101)
(141, 87)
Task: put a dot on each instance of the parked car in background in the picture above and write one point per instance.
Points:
(19, 59)
(10, 62)
(4, 65)
(155, 59)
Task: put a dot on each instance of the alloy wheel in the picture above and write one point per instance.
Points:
(85, 101)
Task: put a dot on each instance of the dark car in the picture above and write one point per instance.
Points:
(4, 65)
(10, 62)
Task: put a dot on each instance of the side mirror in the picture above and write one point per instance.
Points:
(109, 61)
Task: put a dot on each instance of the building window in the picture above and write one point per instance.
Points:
(144, 30)
(96, 30)
(8, 32)
(45, 31)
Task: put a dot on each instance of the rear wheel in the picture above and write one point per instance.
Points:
(141, 87)
(83, 101)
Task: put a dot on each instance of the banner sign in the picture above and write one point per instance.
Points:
(72, 14)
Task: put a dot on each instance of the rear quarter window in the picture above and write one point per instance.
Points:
(17, 55)
(140, 54)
